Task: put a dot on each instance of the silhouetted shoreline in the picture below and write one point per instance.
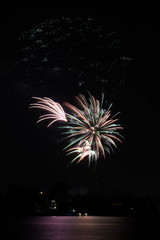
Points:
(58, 201)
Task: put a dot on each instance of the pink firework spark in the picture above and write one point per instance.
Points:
(56, 111)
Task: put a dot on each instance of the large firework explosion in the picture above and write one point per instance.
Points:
(90, 129)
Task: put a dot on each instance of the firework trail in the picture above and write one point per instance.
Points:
(90, 129)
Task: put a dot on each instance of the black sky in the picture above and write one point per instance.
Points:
(30, 154)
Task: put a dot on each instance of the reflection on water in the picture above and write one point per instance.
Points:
(80, 228)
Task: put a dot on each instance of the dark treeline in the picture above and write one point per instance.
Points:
(24, 201)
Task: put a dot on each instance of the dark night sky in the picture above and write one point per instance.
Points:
(30, 154)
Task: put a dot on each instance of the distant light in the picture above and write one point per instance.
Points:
(79, 214)
(41, 193)
(73, 210)
(85, 214)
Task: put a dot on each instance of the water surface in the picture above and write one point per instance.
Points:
(80, 228)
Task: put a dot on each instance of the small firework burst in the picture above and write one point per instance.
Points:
(56, 111)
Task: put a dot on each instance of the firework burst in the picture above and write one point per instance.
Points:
(90, 129)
